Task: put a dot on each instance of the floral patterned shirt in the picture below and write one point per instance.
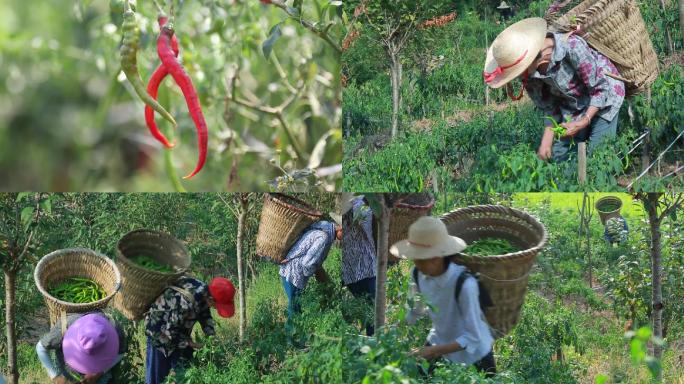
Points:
(170, 320)
(576, 79)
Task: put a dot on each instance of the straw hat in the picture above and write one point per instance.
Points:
(427, 239)
(503, 5)
(513, 51)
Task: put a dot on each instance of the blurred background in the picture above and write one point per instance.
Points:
(70, 121)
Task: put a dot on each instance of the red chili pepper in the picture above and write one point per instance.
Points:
(153, 89)
(168, 59)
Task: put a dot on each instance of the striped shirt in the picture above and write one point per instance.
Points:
(358, 247)
(308, 253)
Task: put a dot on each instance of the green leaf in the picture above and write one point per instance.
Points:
(601, 379)
(22, 195)
(46, 205)
(26, 216)
(274, 34)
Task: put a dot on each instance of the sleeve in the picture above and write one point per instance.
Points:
(539, 93)
(469, 305)
(417, 311)
(314, 256)
(580, 57)
(46, 360)
(205, 320)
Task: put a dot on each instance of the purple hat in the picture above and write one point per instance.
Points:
(91, 344)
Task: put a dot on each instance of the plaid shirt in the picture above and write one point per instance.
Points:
(308, 253)
(358, 249)
(170, 320)
(576, 79)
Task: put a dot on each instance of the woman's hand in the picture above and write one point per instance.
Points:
(574, 127)
(428, 353)
(91, 379)
(544, 152)
(194, 345)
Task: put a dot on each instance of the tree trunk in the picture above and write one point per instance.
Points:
(395, 76)
(646, 154)
(382, 250)
(656, 272)
(10, 290)
(681, 19)
(668, 35)
(244, 206)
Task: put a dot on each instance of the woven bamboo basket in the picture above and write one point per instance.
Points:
(404, 213)
(606, 213)
(140, 287)
(505, 276)
(283, 218)
(617, 30)
(62, 264)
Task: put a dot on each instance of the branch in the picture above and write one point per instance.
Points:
(675, 205)
(308, 25)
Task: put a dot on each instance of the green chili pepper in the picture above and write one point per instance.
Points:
(489, 246)
(151, 264)
(129, 62)
(78, 290)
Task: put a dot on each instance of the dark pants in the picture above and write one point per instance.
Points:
(365, 288)
(158, 366)
(597, 132)
(293, 306)
(485, 364)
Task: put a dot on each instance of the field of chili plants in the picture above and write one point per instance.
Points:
(255, 85)
(586, 316)
(454, 134)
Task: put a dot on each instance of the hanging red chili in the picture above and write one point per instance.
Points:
(183, 80)
(129, 61)
(153, 89)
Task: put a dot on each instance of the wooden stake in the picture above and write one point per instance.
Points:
(582, 162)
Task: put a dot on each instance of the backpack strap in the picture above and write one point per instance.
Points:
(459, 282)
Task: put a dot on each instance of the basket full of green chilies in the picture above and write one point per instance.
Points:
(149, 262)
(608, 207)
(503, 243)
(76, 280)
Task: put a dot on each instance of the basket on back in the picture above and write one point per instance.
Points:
(404, 213)
(283, 218)
(140, 287)
(608, 207)
(58, 266)
(617, 30)
(505, 276)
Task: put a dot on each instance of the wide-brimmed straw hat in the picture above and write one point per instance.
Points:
(427, 239)
(503, 5)
(90, 344)
(513, 51)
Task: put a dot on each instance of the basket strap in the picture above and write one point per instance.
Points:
(185, 294)
(63, 319)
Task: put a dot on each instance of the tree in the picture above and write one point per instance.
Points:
(240, 212)
(392, 24)
(658, 206)
(19, 216)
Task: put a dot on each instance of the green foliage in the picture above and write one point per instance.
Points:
(70, 122)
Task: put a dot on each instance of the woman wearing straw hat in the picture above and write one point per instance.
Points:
(506, 10)
(358, 251)
(305, 259)
(459, 333)
(169, 322)
(565, 78)
(85, 353)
